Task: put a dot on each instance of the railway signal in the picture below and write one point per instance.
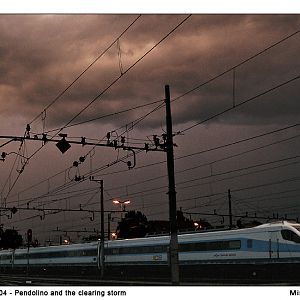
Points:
(29, 237)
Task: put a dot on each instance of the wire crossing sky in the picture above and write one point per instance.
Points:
(234, 82)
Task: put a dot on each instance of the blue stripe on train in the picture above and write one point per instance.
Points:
(259, 245)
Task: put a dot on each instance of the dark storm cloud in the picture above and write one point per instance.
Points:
(41, 55)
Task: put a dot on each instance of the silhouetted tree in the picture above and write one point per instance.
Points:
(92, 237)
(35, 243)
(10, 239)
(136, 225)
(184, 223)
(133, 225)
(251, 223)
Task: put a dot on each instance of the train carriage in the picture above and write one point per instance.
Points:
(269, 252)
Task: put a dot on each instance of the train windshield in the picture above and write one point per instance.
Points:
(290, 236)
(297, 227)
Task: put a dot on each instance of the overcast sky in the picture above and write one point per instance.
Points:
(42, 54)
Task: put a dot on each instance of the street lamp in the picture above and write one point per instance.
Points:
(122, 203)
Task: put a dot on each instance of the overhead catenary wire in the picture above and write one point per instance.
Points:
(234, 190)
(126, 71)
(209, 176)
(240, 104)
(193, 154)
(258, 197)
(87, 68)
(243, 62)
(63, 92)
(210, 195)
(292, 179)
(158, 189)
(237, 190)
(72, 183)
(65, 195)
(232, 177)
(105, 90)
(233, 68)
(266, 209)
(206, 177)
(238, 65)
(109, 115)
(217, 148)
(212, 79)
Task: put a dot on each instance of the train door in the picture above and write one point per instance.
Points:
(100, 256)
(273, 244)
(13, 258)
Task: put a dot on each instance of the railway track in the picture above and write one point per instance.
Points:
(17, 280)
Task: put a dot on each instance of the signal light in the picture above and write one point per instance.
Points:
(29, 236)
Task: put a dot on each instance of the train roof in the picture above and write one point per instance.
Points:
(164, 239)
(280, 223)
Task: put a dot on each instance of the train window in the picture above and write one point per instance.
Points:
(290, 236)
(90, 252)
(208, 246)
(40, 255)
(130, 250)
(6, 256)
(136, 249)
(115, 251)
(194, 247)
(55, 254)
(234, 244)
(216, 246)
(249, 243)
(21, 256)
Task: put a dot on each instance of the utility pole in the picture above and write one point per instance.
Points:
(102, 226)
(230, 212)
(174, 262)
(108, 225)
(29, 241)
(102, 230)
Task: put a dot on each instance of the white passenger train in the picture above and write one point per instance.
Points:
(269, 252)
